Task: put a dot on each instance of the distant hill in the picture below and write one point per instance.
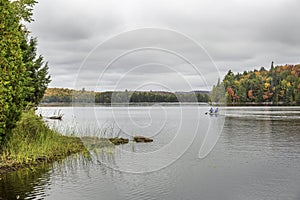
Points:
(278, 85)
(65, 95)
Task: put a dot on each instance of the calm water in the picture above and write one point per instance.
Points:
(243, 153)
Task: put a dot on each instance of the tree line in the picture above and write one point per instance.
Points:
(23, 74)
(62, 95)
(278, 85)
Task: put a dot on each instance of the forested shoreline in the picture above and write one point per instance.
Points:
(65, 95)
(280, 85)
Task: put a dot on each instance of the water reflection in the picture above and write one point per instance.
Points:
(25, 184)
(35, 182)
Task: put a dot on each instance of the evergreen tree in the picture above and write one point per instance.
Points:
(37, 71)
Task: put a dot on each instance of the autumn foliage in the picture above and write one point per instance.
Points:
(278, 85)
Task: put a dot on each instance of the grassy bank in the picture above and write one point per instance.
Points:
(32, 143)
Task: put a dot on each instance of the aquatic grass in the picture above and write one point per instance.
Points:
(106, 130)
(74, 128)
(95, 137)
(33, 142)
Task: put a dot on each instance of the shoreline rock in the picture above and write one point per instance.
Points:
(118, 141)
(142, 139)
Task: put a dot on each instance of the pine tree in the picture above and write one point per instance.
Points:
(37, 71)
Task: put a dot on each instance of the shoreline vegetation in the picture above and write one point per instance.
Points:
(33, 143)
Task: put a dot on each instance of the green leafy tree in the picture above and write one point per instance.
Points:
(13, 75)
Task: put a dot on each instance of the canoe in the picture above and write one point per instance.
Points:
(56, 117)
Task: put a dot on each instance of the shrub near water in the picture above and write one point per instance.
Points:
(32, 142)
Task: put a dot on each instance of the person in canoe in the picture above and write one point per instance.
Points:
(217, 110)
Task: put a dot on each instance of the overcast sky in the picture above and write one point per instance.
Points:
(162, 44)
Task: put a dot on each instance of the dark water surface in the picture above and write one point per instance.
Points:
(256, 156)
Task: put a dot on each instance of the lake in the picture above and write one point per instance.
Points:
(242, 153)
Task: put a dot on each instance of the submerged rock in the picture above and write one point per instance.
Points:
(118, 141)
(142, 139)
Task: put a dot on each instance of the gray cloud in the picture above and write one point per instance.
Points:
(236, 34)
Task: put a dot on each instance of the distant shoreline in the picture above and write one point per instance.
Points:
(67, 104)
(246, 104)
